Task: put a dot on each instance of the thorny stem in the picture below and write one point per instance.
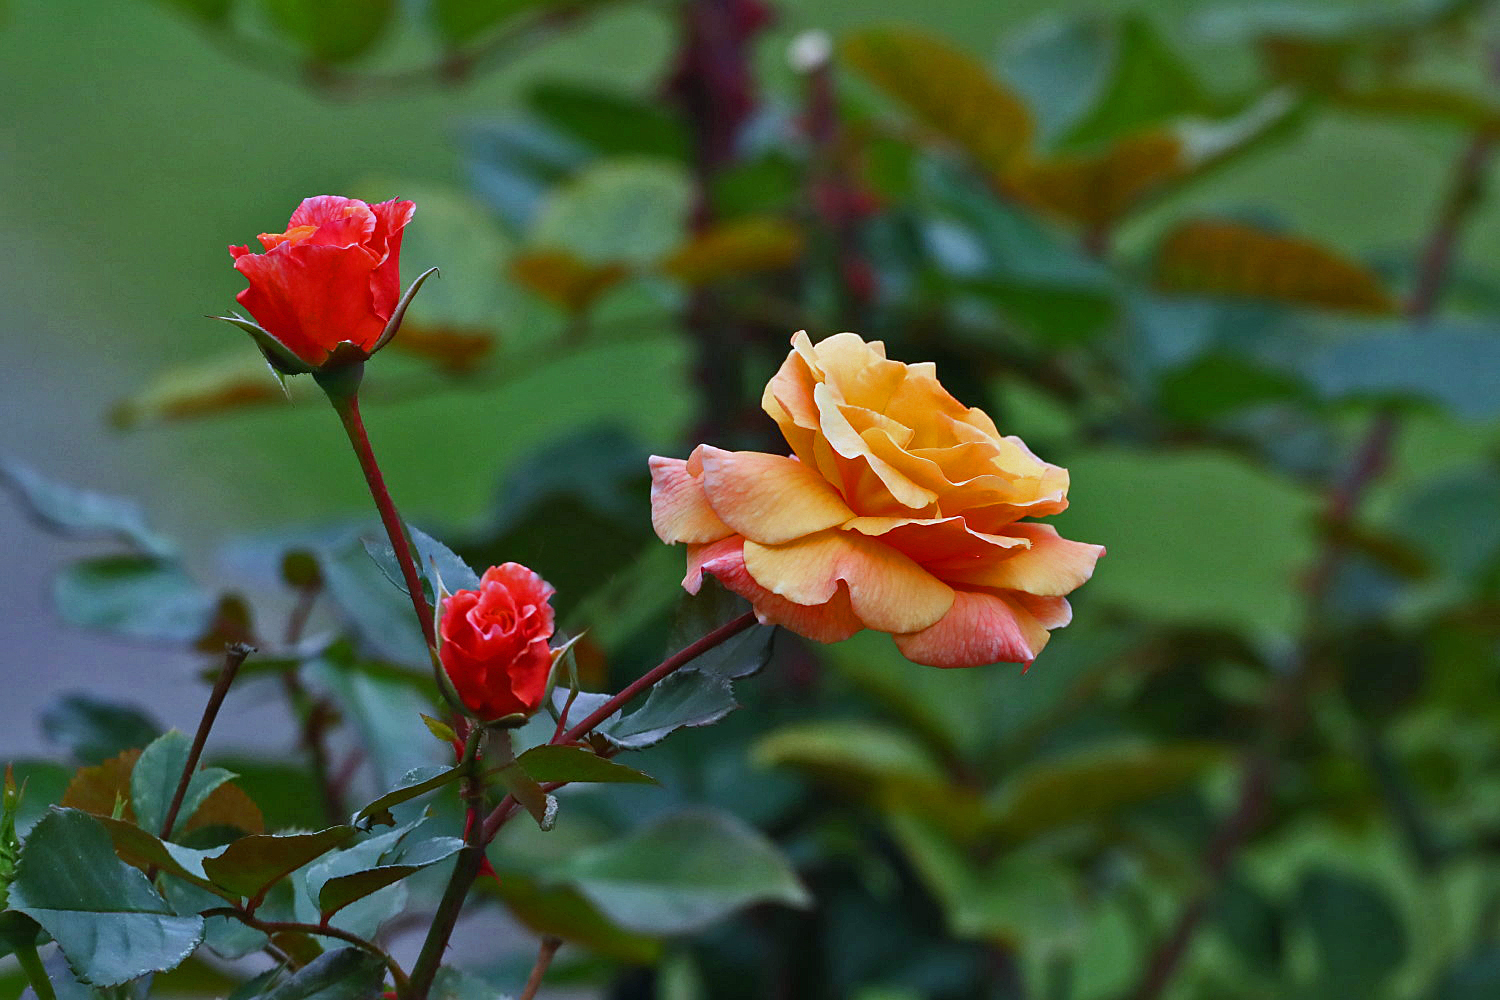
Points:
(347, 407)
(322, 930)
(544, 955)
(465, 870)
(1370, 460)
(233, 657)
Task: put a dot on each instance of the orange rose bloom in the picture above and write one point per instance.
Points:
(900, 512)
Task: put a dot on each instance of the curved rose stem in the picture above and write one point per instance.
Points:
(465, 871)
(233, 657)
(321, 930)
(346, 405)
(539, 970)
(678, 659)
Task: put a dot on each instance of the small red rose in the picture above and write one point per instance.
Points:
(333, 277)
(494, 642)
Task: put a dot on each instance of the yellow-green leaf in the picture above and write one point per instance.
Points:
(947, 89)
(1232, 259)
(232, 382)
(1096, 188)
(736, 247)
(564, 280)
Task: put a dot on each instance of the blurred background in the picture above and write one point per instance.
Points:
(1231, 265)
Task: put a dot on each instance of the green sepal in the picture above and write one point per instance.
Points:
(281, 358)
(399, 313)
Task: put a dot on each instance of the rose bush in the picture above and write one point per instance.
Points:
(333, 277)
(494, 642)
(900, 510)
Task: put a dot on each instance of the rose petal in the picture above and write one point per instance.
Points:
(769, 498)
(938, 542)
(832, 621)
(680, 511)
(979, 629)
(301, 295)
(391, 218)
(887, 590)
(848, 443)
(1051, 567)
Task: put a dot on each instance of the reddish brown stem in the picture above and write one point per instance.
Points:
(544, 955)
(347, 407)
(678, 659)
(320, 930)
(233, 657)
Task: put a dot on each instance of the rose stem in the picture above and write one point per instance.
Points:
(726, 631)
(539, 970)
(233, 657)
(465, 870)
(36, 972)
(320, 930)
(347, 407)
(469, 859)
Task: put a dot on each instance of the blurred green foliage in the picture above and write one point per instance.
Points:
(1229, 267)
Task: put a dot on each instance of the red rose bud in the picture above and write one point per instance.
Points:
(331, 282)
(493, 642)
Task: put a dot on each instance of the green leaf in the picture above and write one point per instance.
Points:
(332, 31)
(346, 974)
(1476, 977)
(562, 911)
(1058, 67)
(1250, 525)
(1089, 784)
(612, 123)
(198, 389)
(211, 11)
(460, 21)
(682, 873)
(381, 614)
(1023, 896)
(854, 749)
(947, 89)
(1148, 84)
(109, 922)
(1219, 384)
(146, 850)
(702, 692)
(456, 984)
(142, 597)
(417, 781)
(42, 783)
(516, 163)
(373, 864)
(625, 211)
(94, 730)
(1449, 364)
(81, 513)
(435, 563)
(154, 780)
(251, 865)
(560, 763)
(385, 709)
(1358, 933)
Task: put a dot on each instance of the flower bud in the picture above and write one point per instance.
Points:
(493, 643)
